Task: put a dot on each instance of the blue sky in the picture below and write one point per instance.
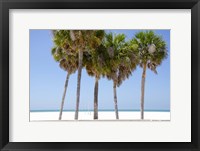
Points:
(47, 81)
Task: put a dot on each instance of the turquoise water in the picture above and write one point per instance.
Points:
(99, 110)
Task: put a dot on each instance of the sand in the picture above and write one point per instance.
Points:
(103, 115)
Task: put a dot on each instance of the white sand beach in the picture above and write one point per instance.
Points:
(103, 115)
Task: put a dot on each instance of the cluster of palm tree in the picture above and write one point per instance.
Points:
(106, 55)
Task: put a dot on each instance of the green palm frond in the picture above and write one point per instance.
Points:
(146, 42)
(122, 57)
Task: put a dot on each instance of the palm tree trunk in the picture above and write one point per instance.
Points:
(63, 98)
(115, 100)
(142, 90)
(78, 83)
(96, 98)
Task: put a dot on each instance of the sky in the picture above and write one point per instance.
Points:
(47, 81)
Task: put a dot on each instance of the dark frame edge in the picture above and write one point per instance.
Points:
(194, 69)
(5, 145)
(100, 4)
(198, 82)
(1, 65)
(195, 19)
(4, 76)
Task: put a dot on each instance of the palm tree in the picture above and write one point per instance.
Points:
(96, 67)
(152, 51)
(79, 41)
(67, 61)
(85, 40)
(123, 60)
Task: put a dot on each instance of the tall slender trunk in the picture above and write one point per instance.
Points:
(142, 90)
(96, 98)
(115, 100)
(78, 83)
(63, 97)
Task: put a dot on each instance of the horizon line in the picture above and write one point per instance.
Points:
(91, 110)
